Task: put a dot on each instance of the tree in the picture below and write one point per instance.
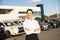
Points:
(46, 17)
(53, 16)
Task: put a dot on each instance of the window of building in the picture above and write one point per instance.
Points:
(22, 12)
(5, 11)
(36, 13)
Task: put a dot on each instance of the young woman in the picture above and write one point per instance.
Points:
(31, 26)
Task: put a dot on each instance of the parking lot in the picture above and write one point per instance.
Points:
(51, 34)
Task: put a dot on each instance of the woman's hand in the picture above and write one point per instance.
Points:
(27, 29)
(37, 29)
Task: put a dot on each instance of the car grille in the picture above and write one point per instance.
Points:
(20, 29)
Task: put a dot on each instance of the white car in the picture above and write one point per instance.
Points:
(11, 28)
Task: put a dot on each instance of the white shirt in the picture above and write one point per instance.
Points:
(31, 24)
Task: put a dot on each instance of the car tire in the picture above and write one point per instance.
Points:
(8, 34)
(51, 26)
(44, 29)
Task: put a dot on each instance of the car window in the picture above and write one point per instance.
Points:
(9, 23)
(18, 22)
(1, 25)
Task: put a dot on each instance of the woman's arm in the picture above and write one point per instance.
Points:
(37, 29)
(27, 29)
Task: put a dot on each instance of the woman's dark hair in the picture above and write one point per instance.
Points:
(30, 10)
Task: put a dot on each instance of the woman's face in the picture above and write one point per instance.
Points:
(29, 14)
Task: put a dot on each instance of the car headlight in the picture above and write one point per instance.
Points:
(45, 25)
(54, 24)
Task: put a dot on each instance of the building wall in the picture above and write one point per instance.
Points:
(18, 11)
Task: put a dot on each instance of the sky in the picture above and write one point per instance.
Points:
(50, 7)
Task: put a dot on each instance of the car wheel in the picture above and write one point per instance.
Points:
(44, 29)
(52, 26)
(8, 34)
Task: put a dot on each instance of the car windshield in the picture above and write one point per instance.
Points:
(18, 22)
(9, 23)
(1, 24)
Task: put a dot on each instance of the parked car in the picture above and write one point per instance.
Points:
(57, 21)
(18, 22)
(11, 28)
(44, 26)
(53, 23)
(2, 32)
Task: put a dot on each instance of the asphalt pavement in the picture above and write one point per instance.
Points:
(51, 34)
